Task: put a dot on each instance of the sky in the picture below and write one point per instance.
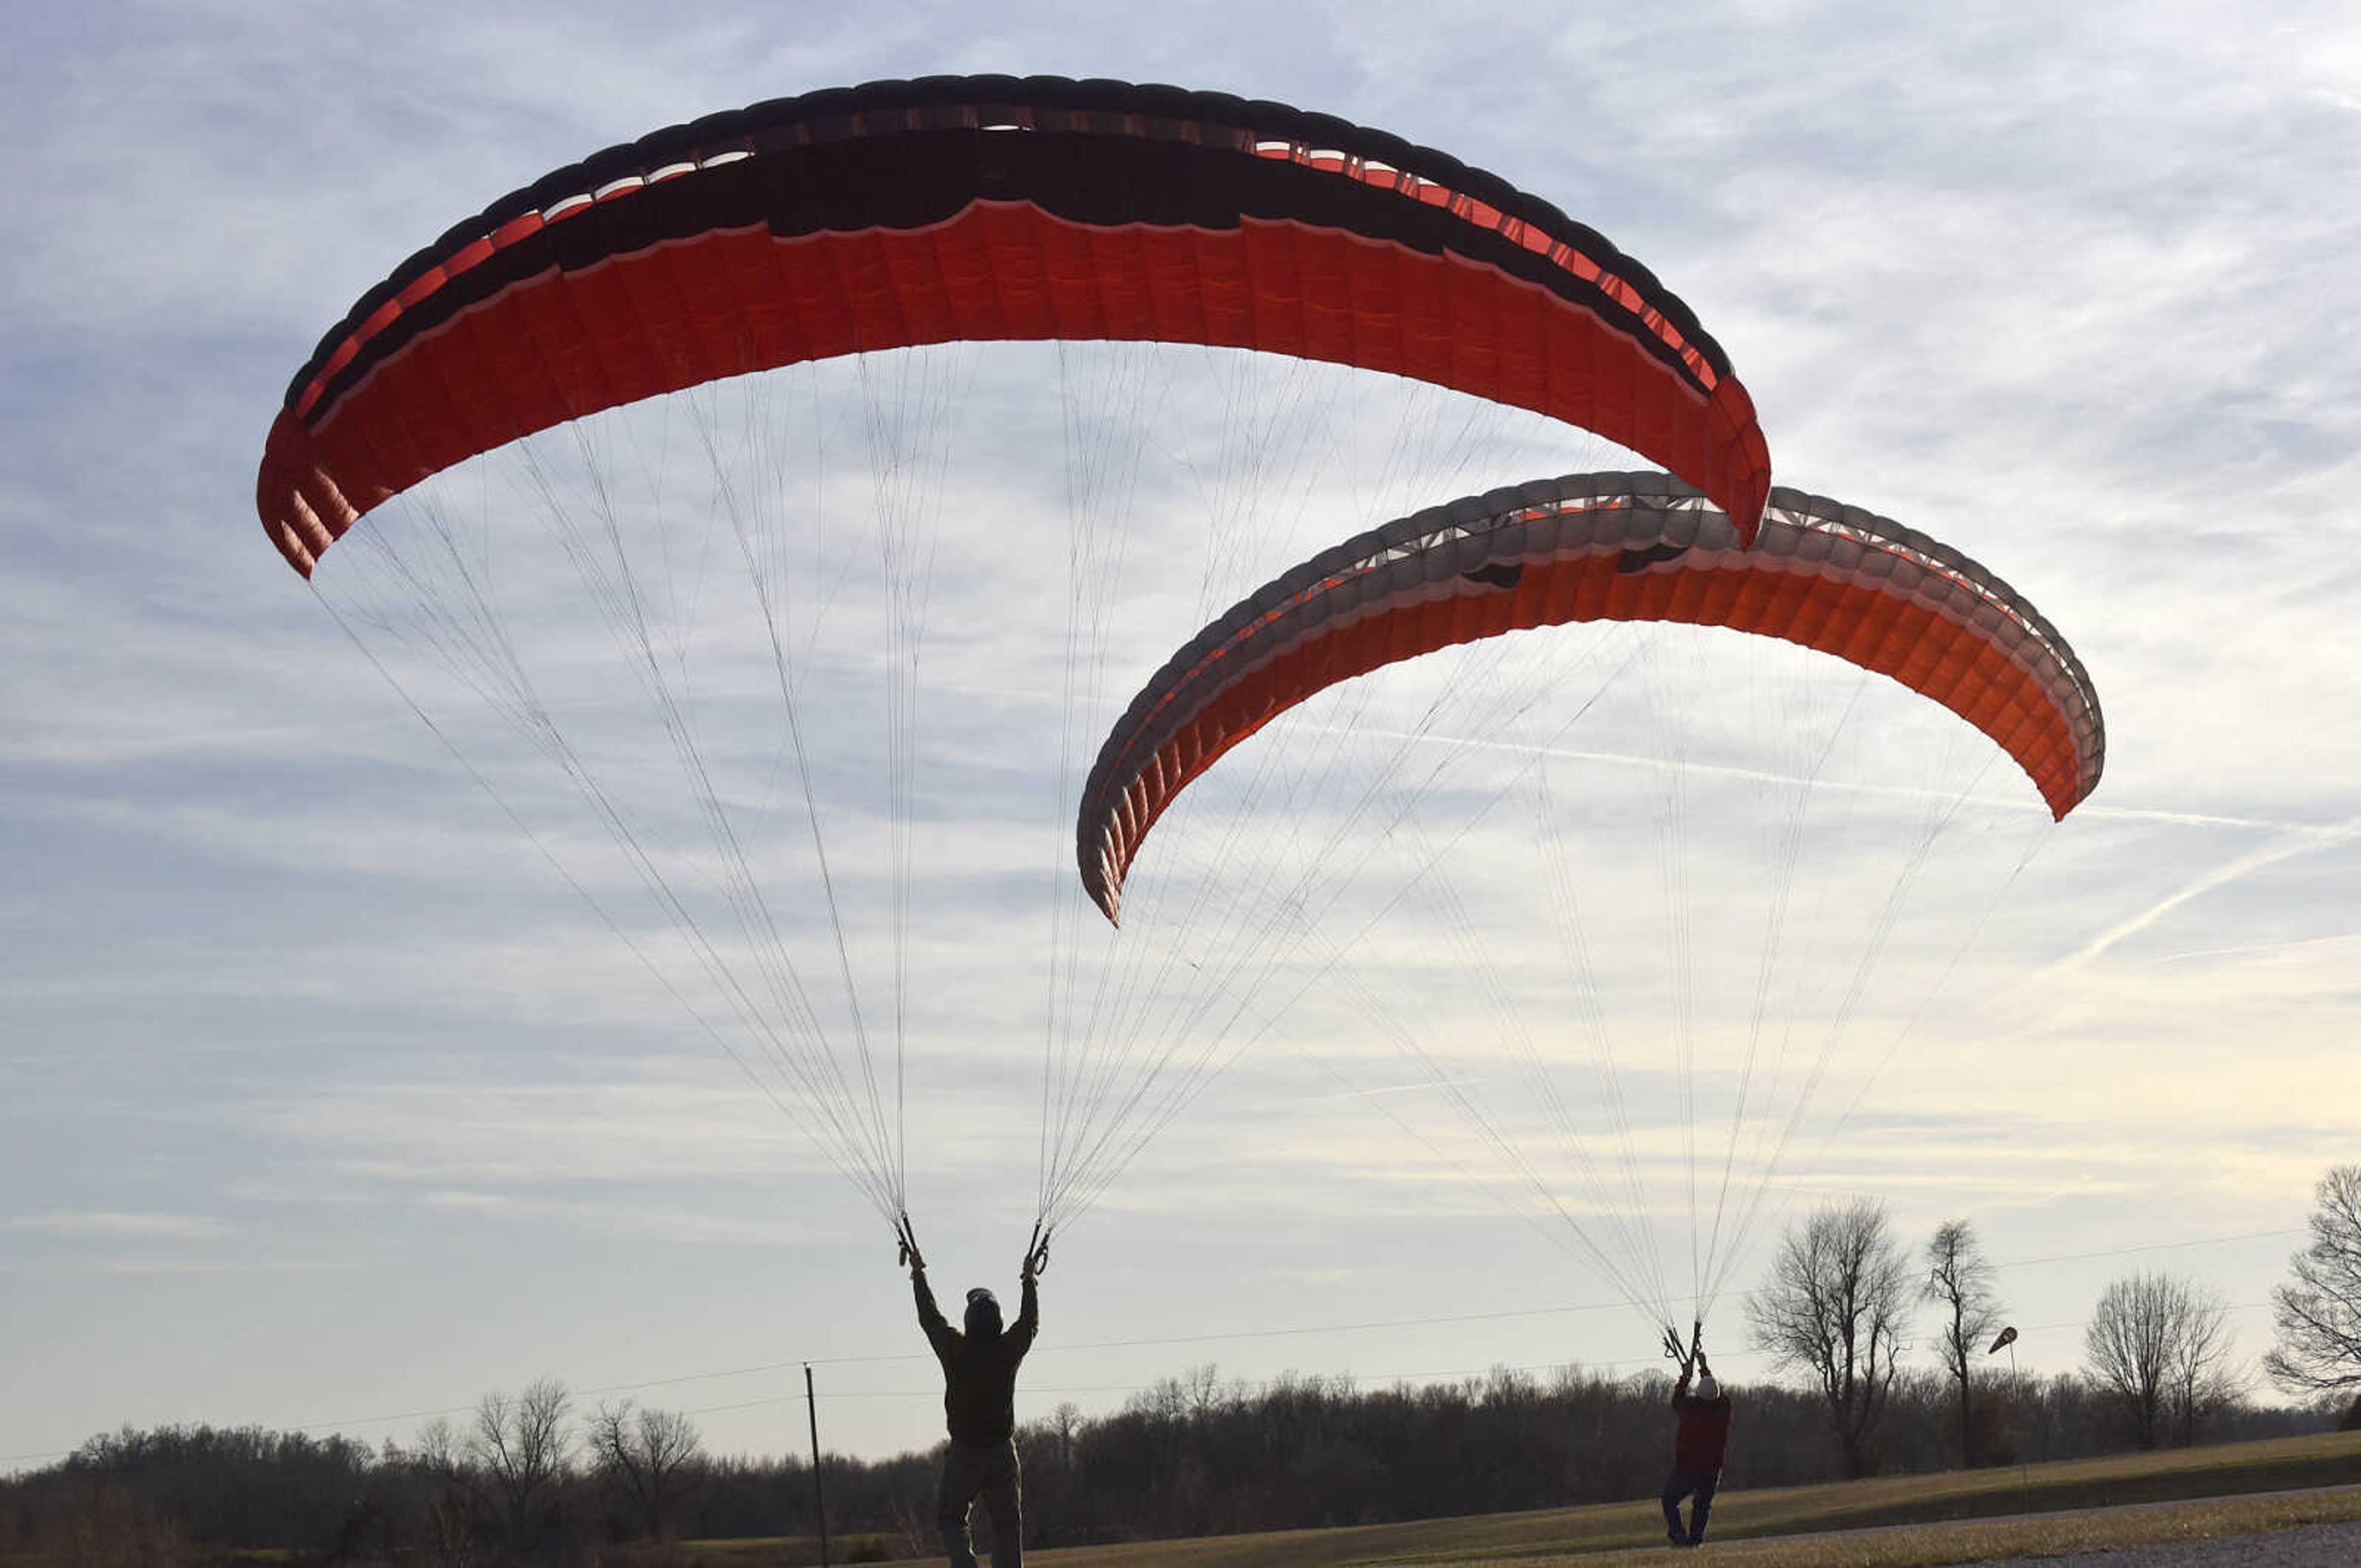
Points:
(326, 1101)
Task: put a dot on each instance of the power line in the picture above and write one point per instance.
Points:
(1379, 1378)
(1153, 1340)
(1435, 1321)
(2154, 1246)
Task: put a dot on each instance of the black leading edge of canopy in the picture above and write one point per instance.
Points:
(816, 165)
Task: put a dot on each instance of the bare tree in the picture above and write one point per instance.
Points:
(651, 1455)
(439, 1448)
(1960, 1279)
(452, 1505)
(1201, 1391)
(1833, 1305)
(523, 1447)
(2161, 1346)
(2319, 1316)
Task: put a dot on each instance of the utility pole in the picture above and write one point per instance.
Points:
(2008, 1339)
(819, 1497)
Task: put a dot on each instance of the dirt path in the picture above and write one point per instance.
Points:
(2316, 1546)
(2267, 1529)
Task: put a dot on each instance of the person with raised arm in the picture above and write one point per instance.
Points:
(980, 1361)
(1700, 1442)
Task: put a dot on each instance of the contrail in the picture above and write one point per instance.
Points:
(1399, 1089)
(2243, 947)
(2220, 876)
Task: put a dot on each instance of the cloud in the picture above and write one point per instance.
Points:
(686, 1226)
(102, 1224)
(668, 1124)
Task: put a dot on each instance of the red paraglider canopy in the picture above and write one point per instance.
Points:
(1598, 547)
(992, 208)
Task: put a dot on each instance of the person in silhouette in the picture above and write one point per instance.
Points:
(1700, 1441)
(979, 1362)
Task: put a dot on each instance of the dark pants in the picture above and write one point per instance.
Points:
(989, 1469)
(1683, 1483)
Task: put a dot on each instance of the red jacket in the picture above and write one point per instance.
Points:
(1702, 1439)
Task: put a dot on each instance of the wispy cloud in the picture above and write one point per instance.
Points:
(103, 1225)
(691, 1226)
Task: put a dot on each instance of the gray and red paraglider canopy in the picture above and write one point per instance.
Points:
(992, 208)
(1598, 547)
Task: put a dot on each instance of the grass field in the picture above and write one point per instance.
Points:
(1904, 1521)
(1907, 1521)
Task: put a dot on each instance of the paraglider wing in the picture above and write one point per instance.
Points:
(1598, 547)
(991, 208)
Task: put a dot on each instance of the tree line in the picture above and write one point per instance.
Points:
(531, 1476)
(1196, 1454)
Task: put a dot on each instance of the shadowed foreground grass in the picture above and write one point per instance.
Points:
(1923, 1546)
(1906, 1521)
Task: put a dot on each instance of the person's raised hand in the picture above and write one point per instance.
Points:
(910, 1247)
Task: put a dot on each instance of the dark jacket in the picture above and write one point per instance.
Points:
(979, 1366)
(1703, 1438)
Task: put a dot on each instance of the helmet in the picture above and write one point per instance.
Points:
(1707, 1387)
(982, 1313)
